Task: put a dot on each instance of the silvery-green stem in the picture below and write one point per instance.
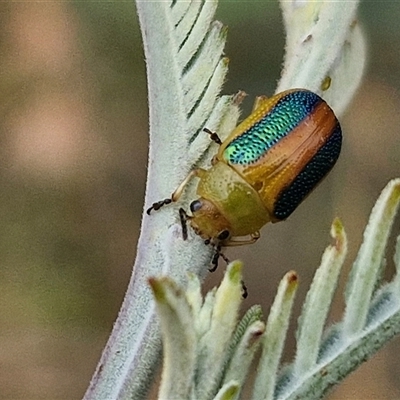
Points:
(185, 71)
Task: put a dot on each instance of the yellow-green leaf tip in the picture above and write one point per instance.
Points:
(234, 271)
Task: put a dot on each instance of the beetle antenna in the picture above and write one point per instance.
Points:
(183, 218)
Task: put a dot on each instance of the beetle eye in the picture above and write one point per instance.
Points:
(223, 235)
(195, 205)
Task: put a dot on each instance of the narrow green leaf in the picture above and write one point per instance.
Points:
(179, 339)
(228, 392)
(323, 41)
(369, 258)
(243, 355)
(274, 338)
(215, 342)
(318, 301)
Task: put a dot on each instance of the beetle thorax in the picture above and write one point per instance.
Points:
(227, 203)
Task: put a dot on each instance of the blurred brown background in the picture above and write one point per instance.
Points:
(73, 133)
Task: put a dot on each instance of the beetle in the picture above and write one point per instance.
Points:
(263, 170)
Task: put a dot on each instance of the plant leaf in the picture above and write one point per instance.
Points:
(323, 41)
(179, 339)
(185, 71)
(370, 321)
(274, 337)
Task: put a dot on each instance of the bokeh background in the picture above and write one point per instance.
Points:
(73, 154)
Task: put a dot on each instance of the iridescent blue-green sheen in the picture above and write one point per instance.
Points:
(287, 113)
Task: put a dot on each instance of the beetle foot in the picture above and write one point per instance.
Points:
(156, 206)
(245, 293)
(213, 136)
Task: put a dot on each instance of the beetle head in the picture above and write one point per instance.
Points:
(208, 221)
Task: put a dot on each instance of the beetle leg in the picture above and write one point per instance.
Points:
(253, 238)
(177, 193)
(259, 100)
(239, 97)
(216, 257)
(217, 247)
(213, 136)
(214, 262)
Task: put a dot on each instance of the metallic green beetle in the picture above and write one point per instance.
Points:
(263, 170)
